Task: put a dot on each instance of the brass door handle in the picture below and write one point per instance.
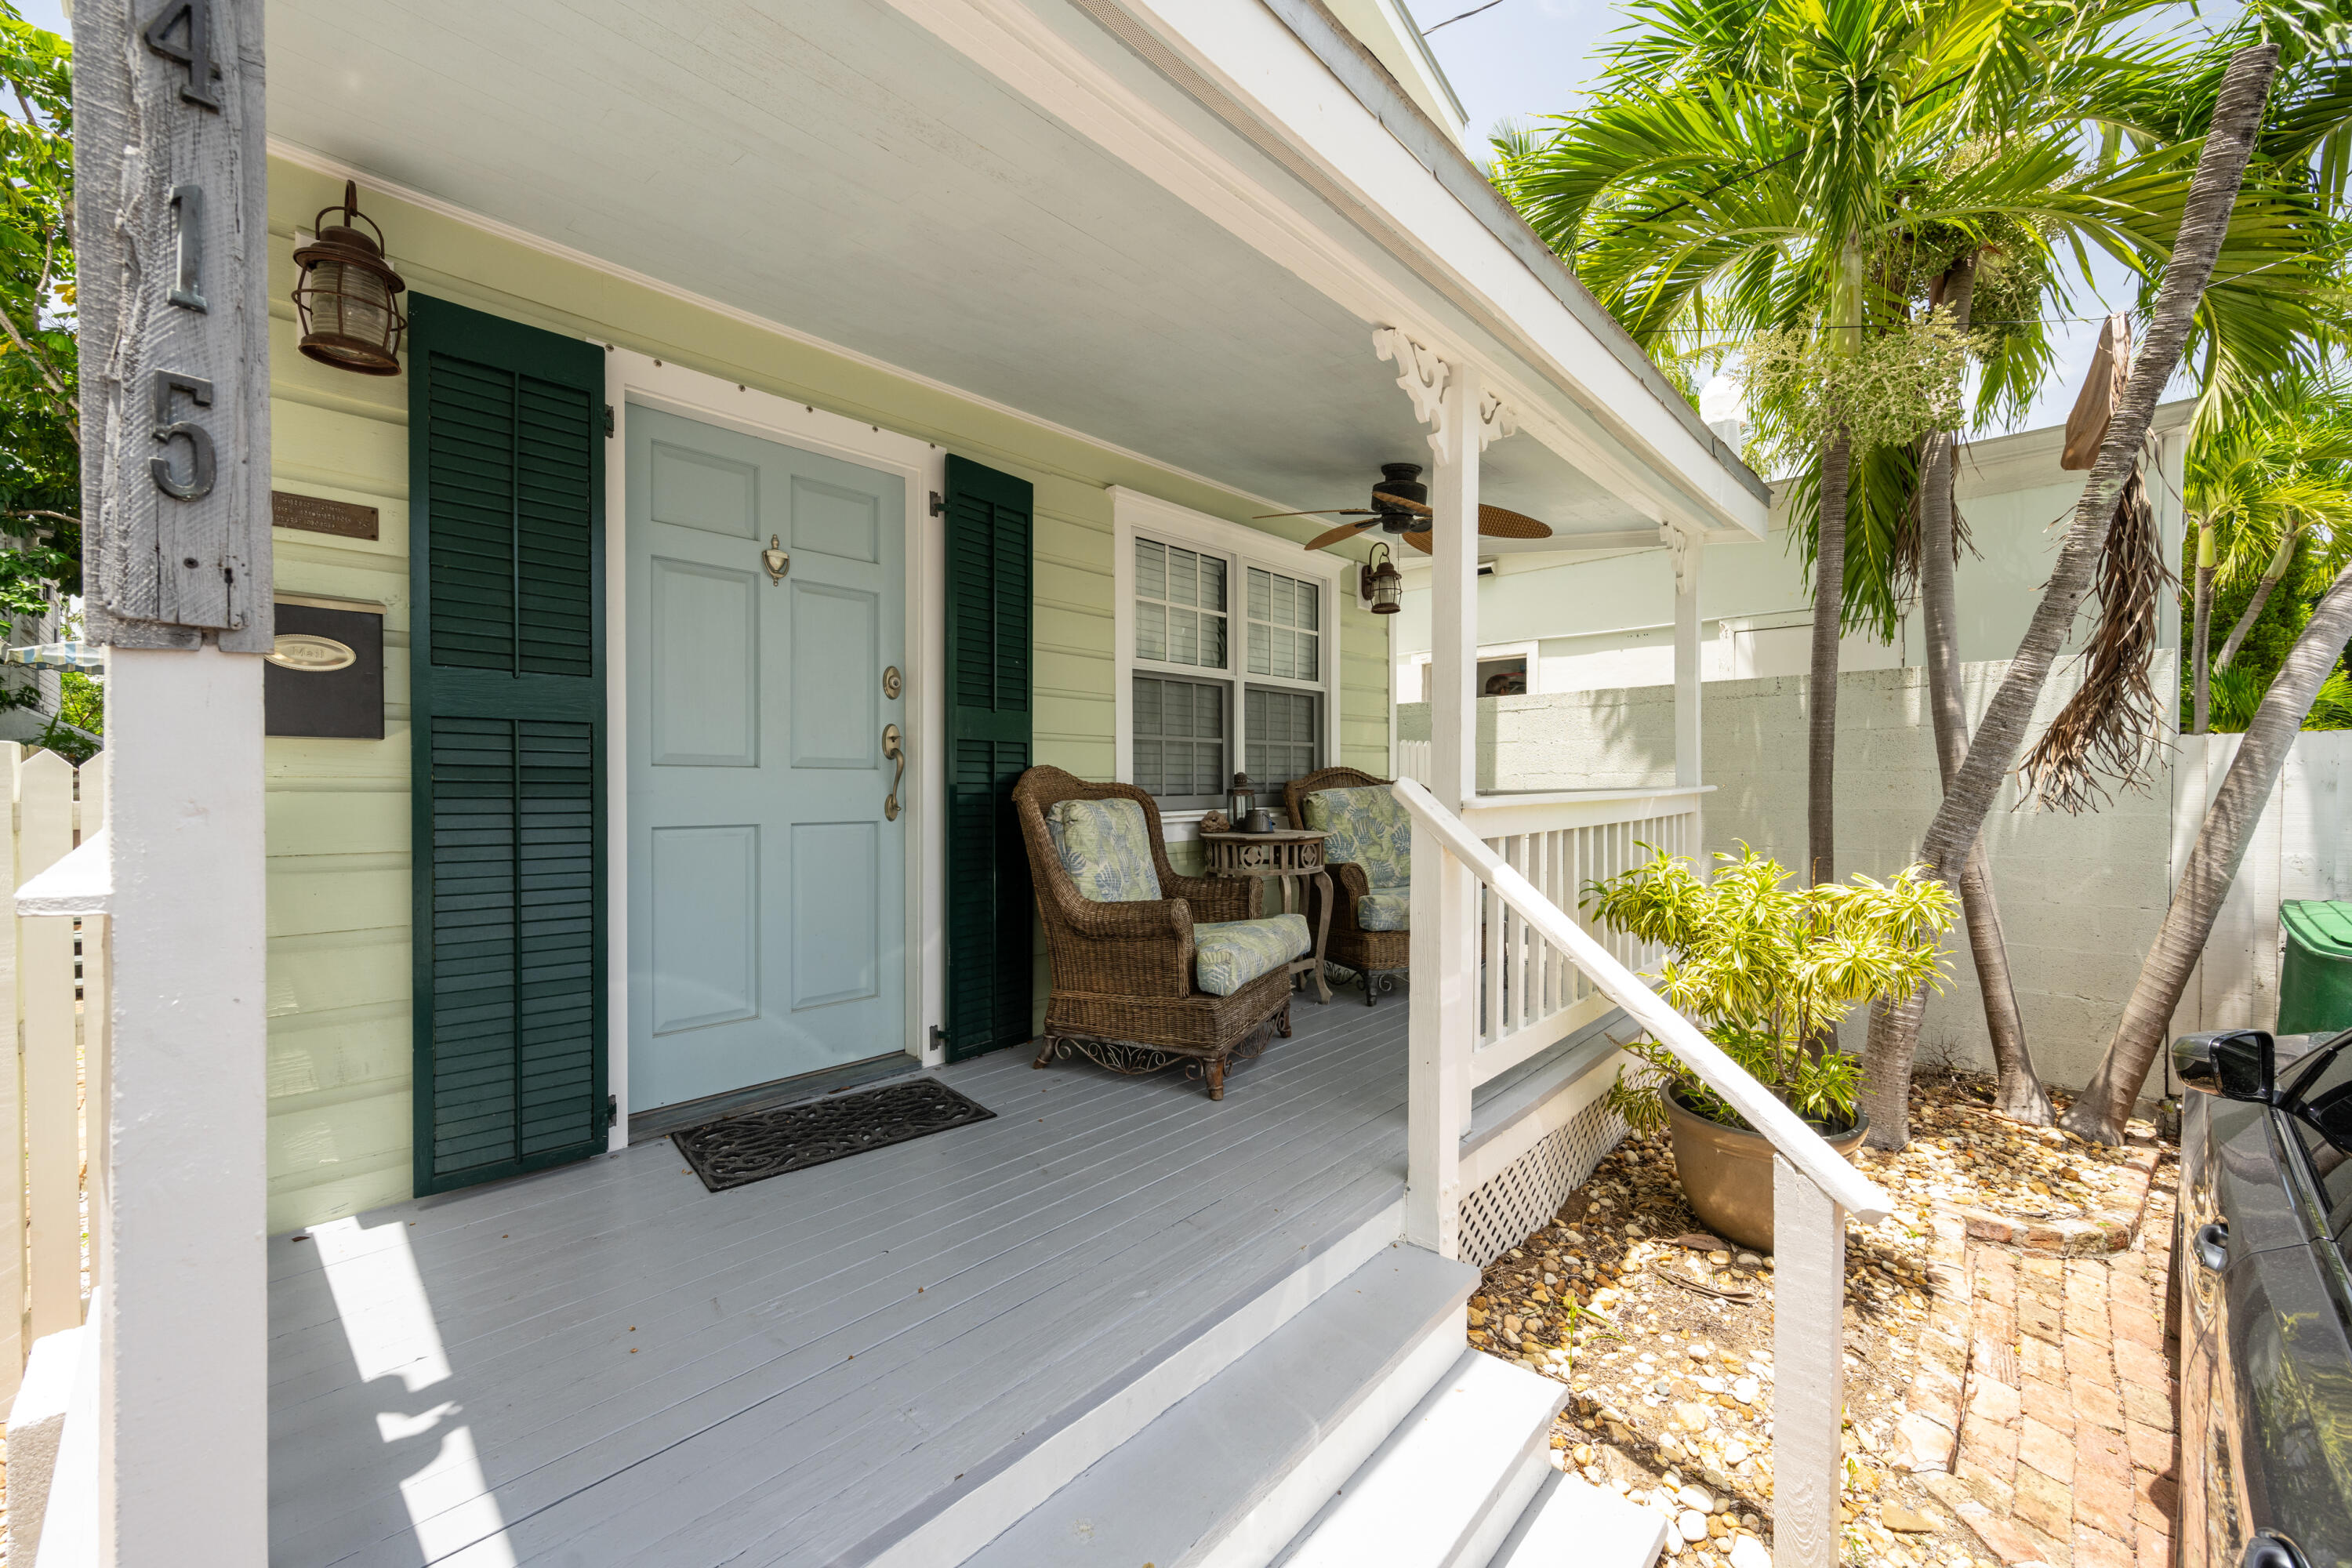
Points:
(894, 751)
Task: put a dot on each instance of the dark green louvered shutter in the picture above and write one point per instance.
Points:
(990, 522)
(507, 693)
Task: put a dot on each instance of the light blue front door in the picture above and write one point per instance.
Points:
(767, 879)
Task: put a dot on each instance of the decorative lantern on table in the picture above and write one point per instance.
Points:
(344, 292)
(1240, 801)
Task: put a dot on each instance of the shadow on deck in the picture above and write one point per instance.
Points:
(607, 1365)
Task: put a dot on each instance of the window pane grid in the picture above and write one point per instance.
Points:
(1285, 623)
(1284, 731)
(1180, 738)
(1180, 606)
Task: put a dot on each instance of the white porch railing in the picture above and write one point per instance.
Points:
(1501, 969)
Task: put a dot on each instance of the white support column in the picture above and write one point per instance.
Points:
(185, 1318)
(1682, 550)
(1453, 597)
(1439, 1006)
(1808, 1370)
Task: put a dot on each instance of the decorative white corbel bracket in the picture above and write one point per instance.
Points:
(1495, 420)
(1423, 377)
(1682, 548)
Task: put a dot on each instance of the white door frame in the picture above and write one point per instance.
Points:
(924, 466)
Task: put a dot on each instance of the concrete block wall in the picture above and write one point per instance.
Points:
(2081, 896)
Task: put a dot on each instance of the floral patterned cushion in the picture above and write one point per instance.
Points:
(1229, 954)
(1105, 846)
(1385, 909)
(1368, 827)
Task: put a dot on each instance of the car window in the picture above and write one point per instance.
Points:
(2313, 1085)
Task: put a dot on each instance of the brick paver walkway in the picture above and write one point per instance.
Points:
(2066, 1442)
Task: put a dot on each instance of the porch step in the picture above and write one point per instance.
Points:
(1571, 1520)
(1451, 1483)
(1224, 1477)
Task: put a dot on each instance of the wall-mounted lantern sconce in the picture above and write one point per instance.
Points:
(345, 293)
(1382, 582)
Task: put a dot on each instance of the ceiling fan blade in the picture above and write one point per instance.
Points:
(1341, 534)
(1414, 507)
(1501, 522)
(1326, 511)
(1420, 541)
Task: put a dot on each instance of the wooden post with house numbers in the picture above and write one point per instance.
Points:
(170, 174)
(171, 229)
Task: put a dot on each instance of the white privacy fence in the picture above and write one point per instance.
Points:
(2302, 848)
(53, 974)
(1501, 969)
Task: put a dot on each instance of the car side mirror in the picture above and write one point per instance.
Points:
(2235, 1064)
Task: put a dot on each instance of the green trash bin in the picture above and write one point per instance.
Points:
(2315, 975)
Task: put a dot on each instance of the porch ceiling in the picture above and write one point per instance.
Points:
(841, 170)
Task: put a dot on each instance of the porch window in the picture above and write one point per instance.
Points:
(1180, 741)
(1224, 641)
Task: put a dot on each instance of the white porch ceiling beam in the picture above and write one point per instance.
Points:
(1349, 150)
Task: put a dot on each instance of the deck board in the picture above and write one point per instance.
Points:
(817, 1353)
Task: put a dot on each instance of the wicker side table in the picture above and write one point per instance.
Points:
(1291, 856)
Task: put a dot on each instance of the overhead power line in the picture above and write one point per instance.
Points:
(1449, 21)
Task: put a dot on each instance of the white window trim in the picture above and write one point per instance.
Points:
(1133, 513)
(1418, 664)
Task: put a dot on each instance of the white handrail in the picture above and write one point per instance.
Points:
(1783, 1128)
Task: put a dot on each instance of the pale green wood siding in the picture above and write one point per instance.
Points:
(339, 844)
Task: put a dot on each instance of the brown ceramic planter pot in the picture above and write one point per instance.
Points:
(1726, 1173)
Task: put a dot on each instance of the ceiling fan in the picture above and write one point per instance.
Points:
(1401, 505)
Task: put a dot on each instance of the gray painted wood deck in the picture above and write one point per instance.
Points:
(607, 1365)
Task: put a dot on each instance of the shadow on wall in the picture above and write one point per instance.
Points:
(2081, 896)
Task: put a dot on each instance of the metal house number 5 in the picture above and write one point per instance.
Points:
(201, 466)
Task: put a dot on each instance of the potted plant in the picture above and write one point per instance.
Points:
(1764, 972)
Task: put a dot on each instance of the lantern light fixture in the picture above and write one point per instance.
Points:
(346, 293)
(1240, 801)
(1382, 582)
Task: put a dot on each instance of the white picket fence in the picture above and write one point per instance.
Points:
(53, 982)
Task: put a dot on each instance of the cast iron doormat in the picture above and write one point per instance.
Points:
(752, 1148)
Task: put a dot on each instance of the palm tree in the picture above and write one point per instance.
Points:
(2206, 220)
(2257, 483)
(1742, 171)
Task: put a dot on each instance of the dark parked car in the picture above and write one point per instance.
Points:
(2262, 1301)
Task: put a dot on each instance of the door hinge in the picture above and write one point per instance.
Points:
(612, 1110)
(938, 503)
(608, 421)
(940, 1038)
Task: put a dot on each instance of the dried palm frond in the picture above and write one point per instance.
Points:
(2112, 726)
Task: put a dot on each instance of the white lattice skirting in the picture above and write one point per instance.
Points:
(1530, 1190)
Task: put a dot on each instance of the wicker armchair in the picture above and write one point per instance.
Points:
(1124, 991)
(1380, 957)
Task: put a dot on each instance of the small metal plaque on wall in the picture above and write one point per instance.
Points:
(325, 676)
(317, 514)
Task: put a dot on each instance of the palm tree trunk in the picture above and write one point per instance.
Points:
(2017, 1090)
(1829, 613)
(2212, 193)
(2271, 577)
(2201, 712)
(2106, 1100)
